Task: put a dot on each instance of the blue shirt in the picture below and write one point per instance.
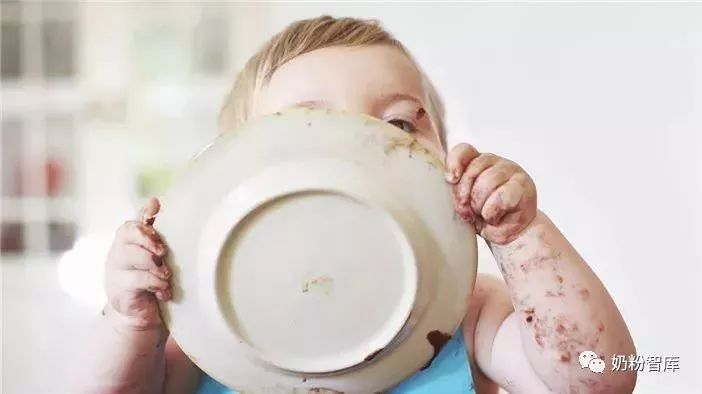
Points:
(449, 373)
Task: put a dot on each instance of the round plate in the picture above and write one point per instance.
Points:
(313, 249)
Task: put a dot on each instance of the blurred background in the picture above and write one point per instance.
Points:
(103, 103)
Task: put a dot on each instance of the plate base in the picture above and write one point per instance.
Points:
(296, 287)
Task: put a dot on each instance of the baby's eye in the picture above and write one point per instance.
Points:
(403, 125)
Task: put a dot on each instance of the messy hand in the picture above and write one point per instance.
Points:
(492, 193)
(135, 275)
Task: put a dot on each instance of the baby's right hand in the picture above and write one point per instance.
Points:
(136, 275)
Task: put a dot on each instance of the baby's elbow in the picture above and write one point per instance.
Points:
(614, 382)
(617, 382)
(624, 382)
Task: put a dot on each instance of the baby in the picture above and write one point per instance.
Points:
(523, 334)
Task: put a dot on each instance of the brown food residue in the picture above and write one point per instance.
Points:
(584, 294)
(538, 262)
(539, 339)
(438, 340)
(538, 326)
(371, 356)
(530, 315)
(549, 293)
(413, 146)
(322, 284)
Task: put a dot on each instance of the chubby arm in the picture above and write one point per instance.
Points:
(124, 352)
(128, 349)
(125, 361)
(527, 335)
(119, 359)
(561, 308)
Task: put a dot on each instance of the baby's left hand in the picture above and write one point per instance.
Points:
(492, 193)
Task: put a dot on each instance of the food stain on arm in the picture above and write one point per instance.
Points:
(563, 310)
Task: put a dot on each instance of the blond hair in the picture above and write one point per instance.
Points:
(306, 36)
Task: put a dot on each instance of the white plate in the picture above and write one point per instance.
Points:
(314, 250)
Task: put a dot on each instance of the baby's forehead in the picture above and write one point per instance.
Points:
(343, 74)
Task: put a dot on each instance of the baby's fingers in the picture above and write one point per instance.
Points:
(474, 169)
(136, 233)
(457, 160)
(136, 281)
(502, 201)
(149, 211)
(488, 182)
(462, 190)
(138, 258)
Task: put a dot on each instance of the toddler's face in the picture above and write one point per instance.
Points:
(376, 80)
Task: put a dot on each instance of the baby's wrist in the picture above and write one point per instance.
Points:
(528, 231)
(523, 240)
(134, 327)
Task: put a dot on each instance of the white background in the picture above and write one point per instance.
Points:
(601, 104)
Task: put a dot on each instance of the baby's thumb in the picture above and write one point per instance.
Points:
(149, 211)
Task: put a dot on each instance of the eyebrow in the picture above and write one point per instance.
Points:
(389, 98)
(382, 102)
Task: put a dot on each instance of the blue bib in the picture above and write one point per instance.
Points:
(449, 373)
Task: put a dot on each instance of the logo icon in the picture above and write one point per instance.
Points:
(589, 359)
